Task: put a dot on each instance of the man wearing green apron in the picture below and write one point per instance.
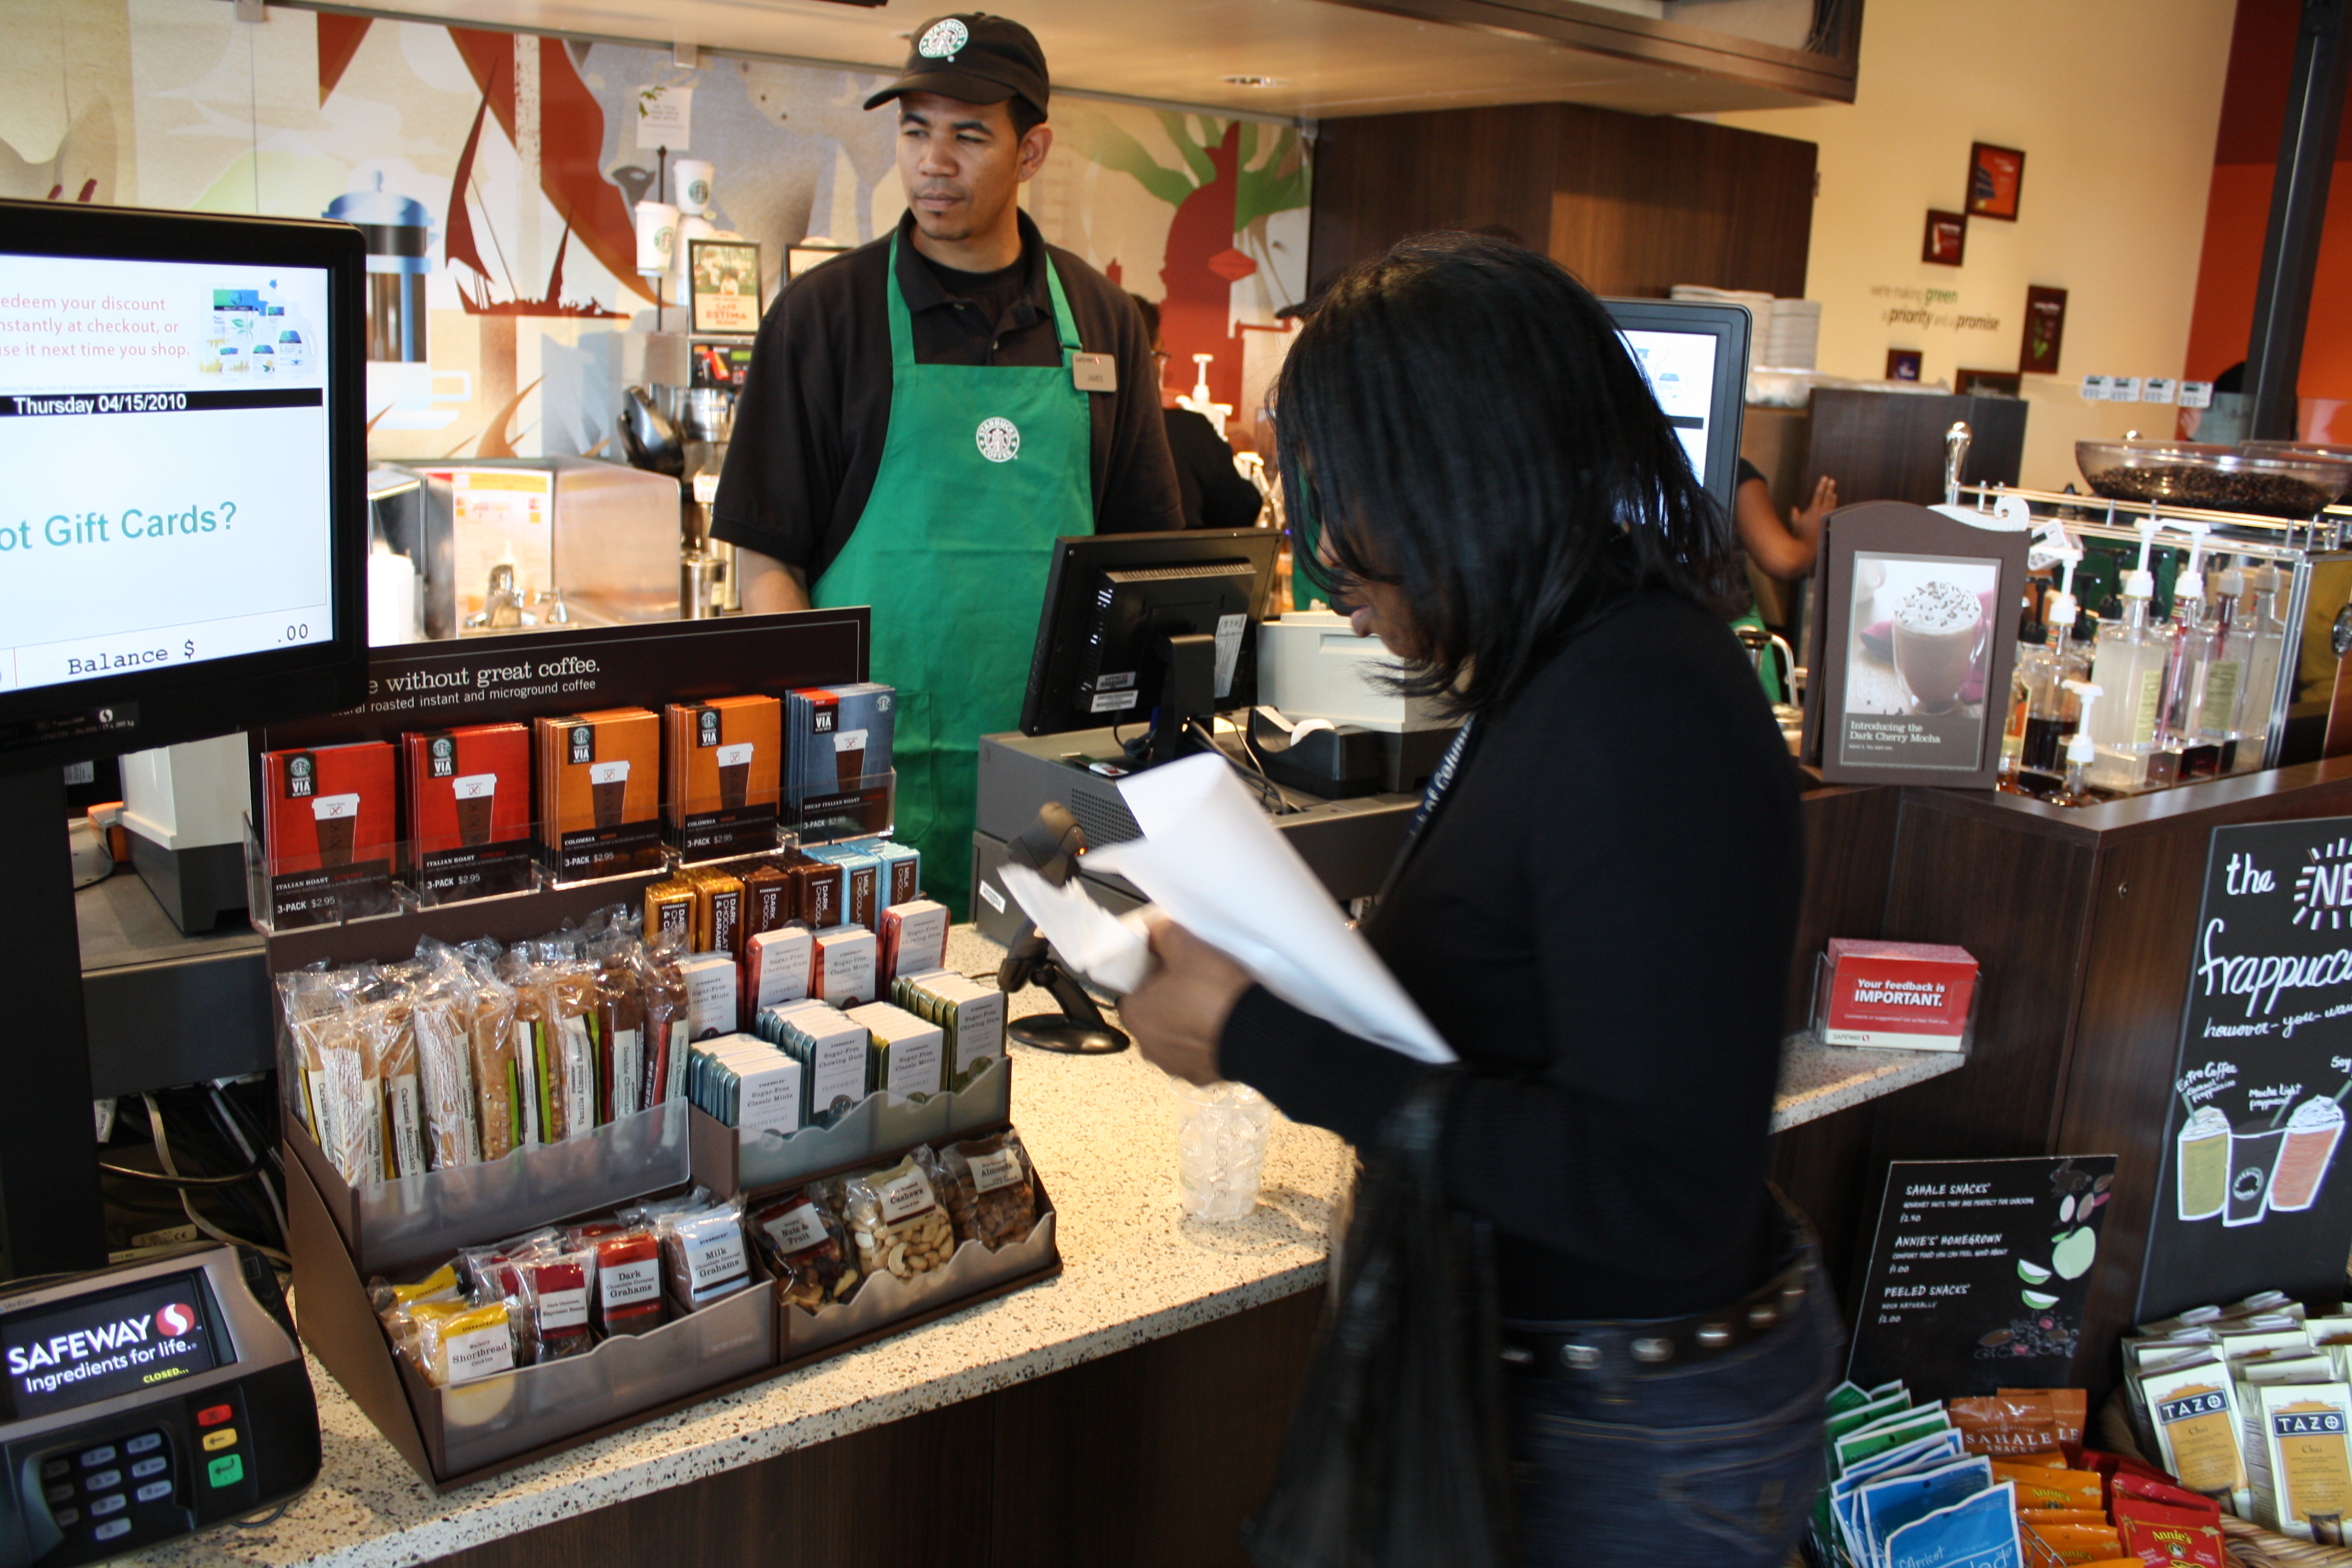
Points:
(923, 416)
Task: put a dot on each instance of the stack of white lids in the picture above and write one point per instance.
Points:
(1788, 332)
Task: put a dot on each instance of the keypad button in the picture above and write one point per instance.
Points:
(61, 1493)
(66, 1518)
(213, 1414)
(225, 1438)
(145, 1467)
(145, 1443)
(104, 1480)
(101, 1507)
(52, 1469)
(154, 1490)
(110, 1528)
(93, 1458)
(226, 1470)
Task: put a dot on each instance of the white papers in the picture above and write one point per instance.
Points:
(1212, 861)
(1104, 949)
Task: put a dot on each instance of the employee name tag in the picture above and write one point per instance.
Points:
(1094, 373)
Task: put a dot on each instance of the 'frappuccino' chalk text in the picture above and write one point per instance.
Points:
(2260, 980)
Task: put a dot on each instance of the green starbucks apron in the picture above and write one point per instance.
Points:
(983, 467)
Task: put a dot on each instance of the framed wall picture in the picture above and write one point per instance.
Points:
(1913, 646)
(723, 279)
(1994, 175)
(1902, 364)
(799, 259)
(1995, 382)
(2045, 329)
(1947, 239)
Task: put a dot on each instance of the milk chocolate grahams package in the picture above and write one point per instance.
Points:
(704, 1258)
(2306, 1430)
(2194, 1409)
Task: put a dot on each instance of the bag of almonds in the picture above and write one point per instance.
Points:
(896, 1217)
(807, 1247)
(988, 1192)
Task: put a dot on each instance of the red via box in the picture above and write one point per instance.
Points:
(1908, 995)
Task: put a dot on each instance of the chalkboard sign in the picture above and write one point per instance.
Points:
(1978, 1273)
(2248, 1200)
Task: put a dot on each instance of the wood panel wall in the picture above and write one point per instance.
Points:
(1632, 204)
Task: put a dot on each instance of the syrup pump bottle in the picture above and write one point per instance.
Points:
(2128, 664)
(2191, 662)
(2265, 637)
(2052, 712)
(2081, 751)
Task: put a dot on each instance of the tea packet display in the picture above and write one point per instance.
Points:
(895, 1218)
(991, 1190)
(806, 1247)
(2302, 1486)
(2194, 1410)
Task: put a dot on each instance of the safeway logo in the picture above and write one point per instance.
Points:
(174, 1321)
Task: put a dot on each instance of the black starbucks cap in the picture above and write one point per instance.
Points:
(973, 58)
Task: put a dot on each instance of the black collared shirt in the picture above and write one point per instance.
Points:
(816, 407)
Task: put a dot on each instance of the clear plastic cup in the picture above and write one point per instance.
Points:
(1220, 1147)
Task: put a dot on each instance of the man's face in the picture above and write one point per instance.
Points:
(962, 164)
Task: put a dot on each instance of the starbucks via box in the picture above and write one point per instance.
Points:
(468, 799)
(1903, 995)
(328, 828)
(600, 791)
(726, 774)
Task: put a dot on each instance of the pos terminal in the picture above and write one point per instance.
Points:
(147, 1401)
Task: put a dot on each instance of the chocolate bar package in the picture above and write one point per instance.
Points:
(725, 776)
(837, 741)
(468, 799)
(328, 823)
(600, 792)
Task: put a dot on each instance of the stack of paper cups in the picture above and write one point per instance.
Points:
(657, 236)
(693, 185)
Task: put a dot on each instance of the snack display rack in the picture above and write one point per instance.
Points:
(341, 1237)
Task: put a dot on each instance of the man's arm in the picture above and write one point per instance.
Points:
(768, 586)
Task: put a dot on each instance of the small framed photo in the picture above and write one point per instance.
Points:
(801, 258)
(723, 281)
(1947, 239)
(1902, 364)
(1988, 384)
(1994, 175)
(2046, 329)
(1914, 647)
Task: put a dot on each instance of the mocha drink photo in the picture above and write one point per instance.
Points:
(734, 774)
(608, 786)
(337, 816)
(475, 793)
(1937, 634)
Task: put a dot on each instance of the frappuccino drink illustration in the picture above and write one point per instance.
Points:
(2201, 1162)
(2312, 1134)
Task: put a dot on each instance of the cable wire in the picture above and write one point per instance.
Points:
(163, 1152)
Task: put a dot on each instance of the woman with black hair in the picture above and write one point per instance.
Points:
(1598, 910)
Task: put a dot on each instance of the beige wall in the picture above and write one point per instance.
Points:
(2115, 103)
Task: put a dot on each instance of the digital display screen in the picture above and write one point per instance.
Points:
(165, 431)
(1681, 371)
(79, 1352)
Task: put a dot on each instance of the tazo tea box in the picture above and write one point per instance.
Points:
(328, 826)
(468, 798)
(726, 773)
(838, 742)
(2194, 1410)
(2305, 1427)
(599, 788)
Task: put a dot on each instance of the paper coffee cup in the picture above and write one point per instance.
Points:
(337, 819)
(657, 236)
(692, 177)
(475, 793)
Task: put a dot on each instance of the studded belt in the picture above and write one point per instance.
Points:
(1571, 1348)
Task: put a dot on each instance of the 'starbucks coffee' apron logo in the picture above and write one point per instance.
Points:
(944, 40)
(999, 440)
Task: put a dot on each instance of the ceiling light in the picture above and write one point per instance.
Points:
(1258, 81)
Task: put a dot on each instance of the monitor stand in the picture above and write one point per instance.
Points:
(50, 1217)
(1188, 699)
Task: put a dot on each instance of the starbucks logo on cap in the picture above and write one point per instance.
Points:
(999, 440)
(943, 41)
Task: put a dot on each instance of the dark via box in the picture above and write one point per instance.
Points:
(469, 802)
(329, 832)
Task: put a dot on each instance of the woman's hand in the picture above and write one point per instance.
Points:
(1807, 521)
(1178, 1014)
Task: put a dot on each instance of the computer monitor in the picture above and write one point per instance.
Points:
(1155, 628)
(184, 528)
(1694, 354)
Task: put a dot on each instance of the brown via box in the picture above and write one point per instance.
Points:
(328, 834)
(726, 774)
(600, 792)
(470, 804)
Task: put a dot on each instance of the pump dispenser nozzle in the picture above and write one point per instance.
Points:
(2062, 610)
(2081, 750)
(2190, 585)
(2140, 583)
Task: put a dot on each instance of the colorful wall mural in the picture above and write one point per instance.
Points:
(497, 172)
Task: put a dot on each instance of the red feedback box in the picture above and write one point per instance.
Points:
(1908, 995)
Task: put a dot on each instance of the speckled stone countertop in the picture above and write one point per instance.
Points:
(1103, 1132)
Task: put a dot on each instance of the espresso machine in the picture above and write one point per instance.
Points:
(708, 576)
